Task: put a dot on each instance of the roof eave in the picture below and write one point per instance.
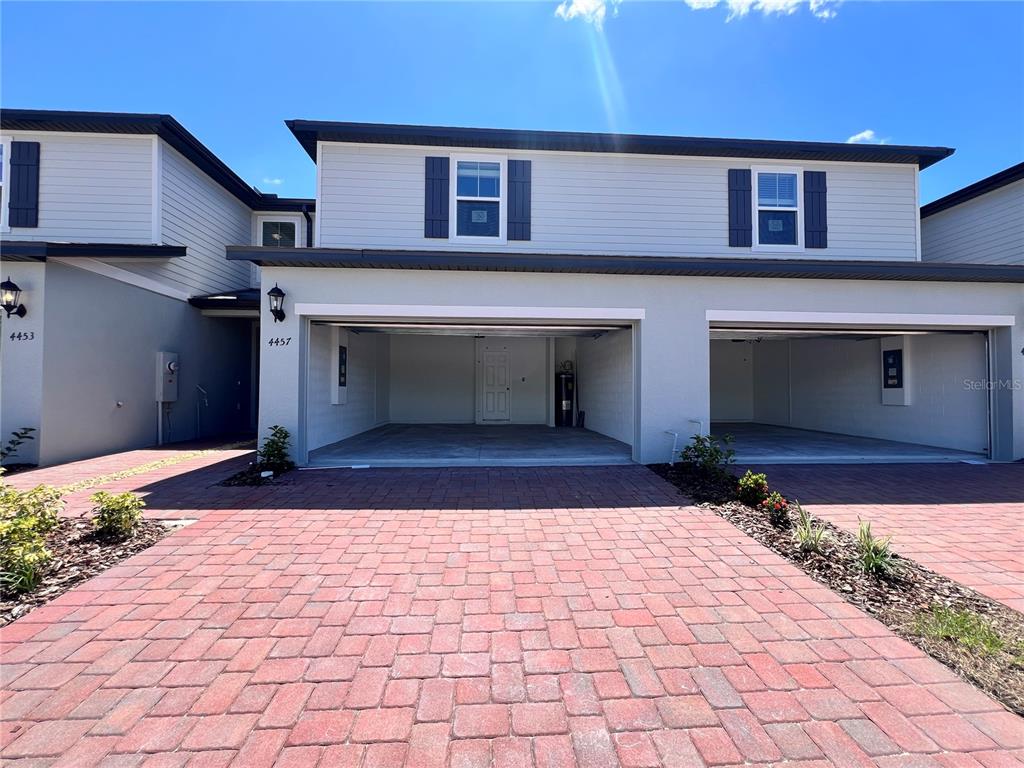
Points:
(669, 266)
(164, 126)
(31, 250)
(977, 189)
(309, 132)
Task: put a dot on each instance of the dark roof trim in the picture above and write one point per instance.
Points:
(273, 203)
(308, 132)
(977, 189)
(164, 126)
(28, 250)
(244, 298)
(627, 265)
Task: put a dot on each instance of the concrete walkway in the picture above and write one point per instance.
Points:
(965, 522)
(467, 617)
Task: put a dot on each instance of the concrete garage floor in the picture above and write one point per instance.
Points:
(766, 444)
(470, 445)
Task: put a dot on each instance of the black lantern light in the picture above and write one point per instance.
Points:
(276, 296)
(10, 295)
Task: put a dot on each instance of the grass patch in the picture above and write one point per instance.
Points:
(969, 629)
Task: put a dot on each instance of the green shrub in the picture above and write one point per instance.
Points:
(116, 514)
(708, 453)
(22, 557)
(40, 507)
(809, 537)
(753, 488)
(874, 554)
(777, 509)
(25, 519)
(273, 455)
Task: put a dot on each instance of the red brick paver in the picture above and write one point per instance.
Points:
(470, 617)
(963, 521)
(181, 471)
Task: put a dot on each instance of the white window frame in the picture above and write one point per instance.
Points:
(6, 142)
(285, 218)
(755, 171)
(454, 198)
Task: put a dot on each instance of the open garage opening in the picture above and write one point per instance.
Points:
(436, 393)
(821, 395)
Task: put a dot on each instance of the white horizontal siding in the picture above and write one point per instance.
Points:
(92, 188)
(986, 230)
(373, 197)
(204, 217)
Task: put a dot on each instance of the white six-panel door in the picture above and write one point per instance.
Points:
(495, 386)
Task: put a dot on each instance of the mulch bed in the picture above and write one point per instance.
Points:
(251, 475)
(898, 601)
(78, 554)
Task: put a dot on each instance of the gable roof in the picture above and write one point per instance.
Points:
(977, 189)
(164, 126)
(309, 132)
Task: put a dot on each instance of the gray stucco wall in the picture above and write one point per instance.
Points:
(102, 337)
(672, 339)
(834, 385)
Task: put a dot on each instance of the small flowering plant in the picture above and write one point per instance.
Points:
(777, 508)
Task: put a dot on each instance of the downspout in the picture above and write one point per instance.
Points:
(309, 225)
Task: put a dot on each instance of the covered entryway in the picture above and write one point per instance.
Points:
(469, 392)
(791, 393)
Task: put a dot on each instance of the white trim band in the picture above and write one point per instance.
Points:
(469, 312)
(871, 319)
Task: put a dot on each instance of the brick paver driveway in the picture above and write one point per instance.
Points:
(473, 617)
(963, 521)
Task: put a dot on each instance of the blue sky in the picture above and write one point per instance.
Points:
(942, 73)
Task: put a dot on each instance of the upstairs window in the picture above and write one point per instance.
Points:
(277, 234)
(777, 216)
(479, 200)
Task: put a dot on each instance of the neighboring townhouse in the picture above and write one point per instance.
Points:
(769, 289)
(113, 227)
(983, 223)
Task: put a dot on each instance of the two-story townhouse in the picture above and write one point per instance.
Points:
(771, 289)
(983, 223)
(113, 227)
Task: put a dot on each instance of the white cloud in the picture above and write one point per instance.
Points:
(594, 11)
(822, 9)
(275, 182)
(591, 11)
(867, 137)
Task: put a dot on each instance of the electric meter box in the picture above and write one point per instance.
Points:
(166, 377)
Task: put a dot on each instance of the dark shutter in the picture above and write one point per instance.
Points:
(815, 210)
(435, 200)
(740, 223)
(519, 174)
(23, 208)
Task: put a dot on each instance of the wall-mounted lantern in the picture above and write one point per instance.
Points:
(276, 296)
(10, 298)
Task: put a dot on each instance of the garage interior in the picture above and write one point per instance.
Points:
(805, 395)
(468, 393)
